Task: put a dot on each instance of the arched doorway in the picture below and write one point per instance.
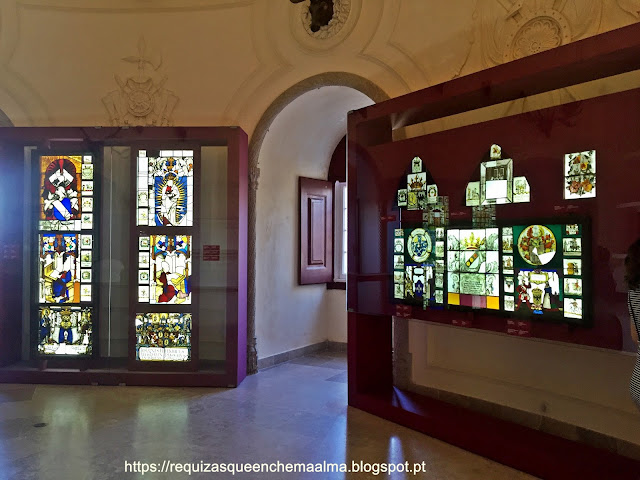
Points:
(296, 136)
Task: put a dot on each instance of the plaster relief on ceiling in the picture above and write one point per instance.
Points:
(345, 13)
(141, 99)
(542, 32)
(513, 29)
(341, 10)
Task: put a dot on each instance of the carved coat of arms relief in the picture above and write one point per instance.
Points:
(141, 99)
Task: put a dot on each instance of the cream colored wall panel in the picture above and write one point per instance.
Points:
(583, 386)
(567, 369)
(622, 424)
(336, 315)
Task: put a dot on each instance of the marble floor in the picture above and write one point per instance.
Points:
(294, 412)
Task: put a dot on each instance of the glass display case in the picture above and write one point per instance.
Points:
(125, 256)
(502, 225)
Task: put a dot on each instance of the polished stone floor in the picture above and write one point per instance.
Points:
(295, 412)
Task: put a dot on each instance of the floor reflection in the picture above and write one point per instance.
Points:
(295, 412)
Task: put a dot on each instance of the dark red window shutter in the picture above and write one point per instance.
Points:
(316, 231)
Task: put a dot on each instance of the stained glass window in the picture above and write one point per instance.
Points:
(473, 267)
(164, 269)
(65, 254)
(65, 330)
(59, 267)
(164, 337)
(497, 184)
(165, 188)
(165, 209)
(66, 184)
(544, 274)
(496, 181)
(580, 175)
(416, 277)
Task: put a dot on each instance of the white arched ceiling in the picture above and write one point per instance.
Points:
(314, 123)
(299, 142)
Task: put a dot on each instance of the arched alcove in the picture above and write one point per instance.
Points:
(296, 136)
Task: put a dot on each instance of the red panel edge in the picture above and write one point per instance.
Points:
(237, 215)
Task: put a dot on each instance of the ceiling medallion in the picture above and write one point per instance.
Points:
(546, 30)
(314, 17)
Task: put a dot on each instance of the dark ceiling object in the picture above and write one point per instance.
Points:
(321, 12)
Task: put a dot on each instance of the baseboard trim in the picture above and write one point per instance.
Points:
(326, 346)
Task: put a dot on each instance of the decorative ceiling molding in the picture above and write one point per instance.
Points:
(341, 11)
(272, 66)
(383, 50)
(512, 29)
(536, 32)
(141, 99)
(346, 13)
(9, 23)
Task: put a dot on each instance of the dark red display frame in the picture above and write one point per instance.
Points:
(607, 124)
(102, 370)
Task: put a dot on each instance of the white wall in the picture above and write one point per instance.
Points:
(300, 142)
(583, 386)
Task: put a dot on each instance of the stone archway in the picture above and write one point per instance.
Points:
(342, 79)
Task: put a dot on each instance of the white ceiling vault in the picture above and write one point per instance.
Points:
(225, 61)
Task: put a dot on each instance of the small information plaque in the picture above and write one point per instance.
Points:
(211, 253)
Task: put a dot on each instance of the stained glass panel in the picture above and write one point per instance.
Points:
(580, 175)
(65, 330)
(65, 255)
(166, 269)
(165, 188)
(59, 268)
(163, 337)
(60, 198)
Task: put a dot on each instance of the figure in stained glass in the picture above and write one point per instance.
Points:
(165, 189)
(65, 331)
(60, 188)
(60, 197)
(171, 264)
(59, 268)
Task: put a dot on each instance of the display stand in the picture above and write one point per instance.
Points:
(376, 164)
(163, 283)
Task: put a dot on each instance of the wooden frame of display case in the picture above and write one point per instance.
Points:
(102, 370)
(370, 336)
